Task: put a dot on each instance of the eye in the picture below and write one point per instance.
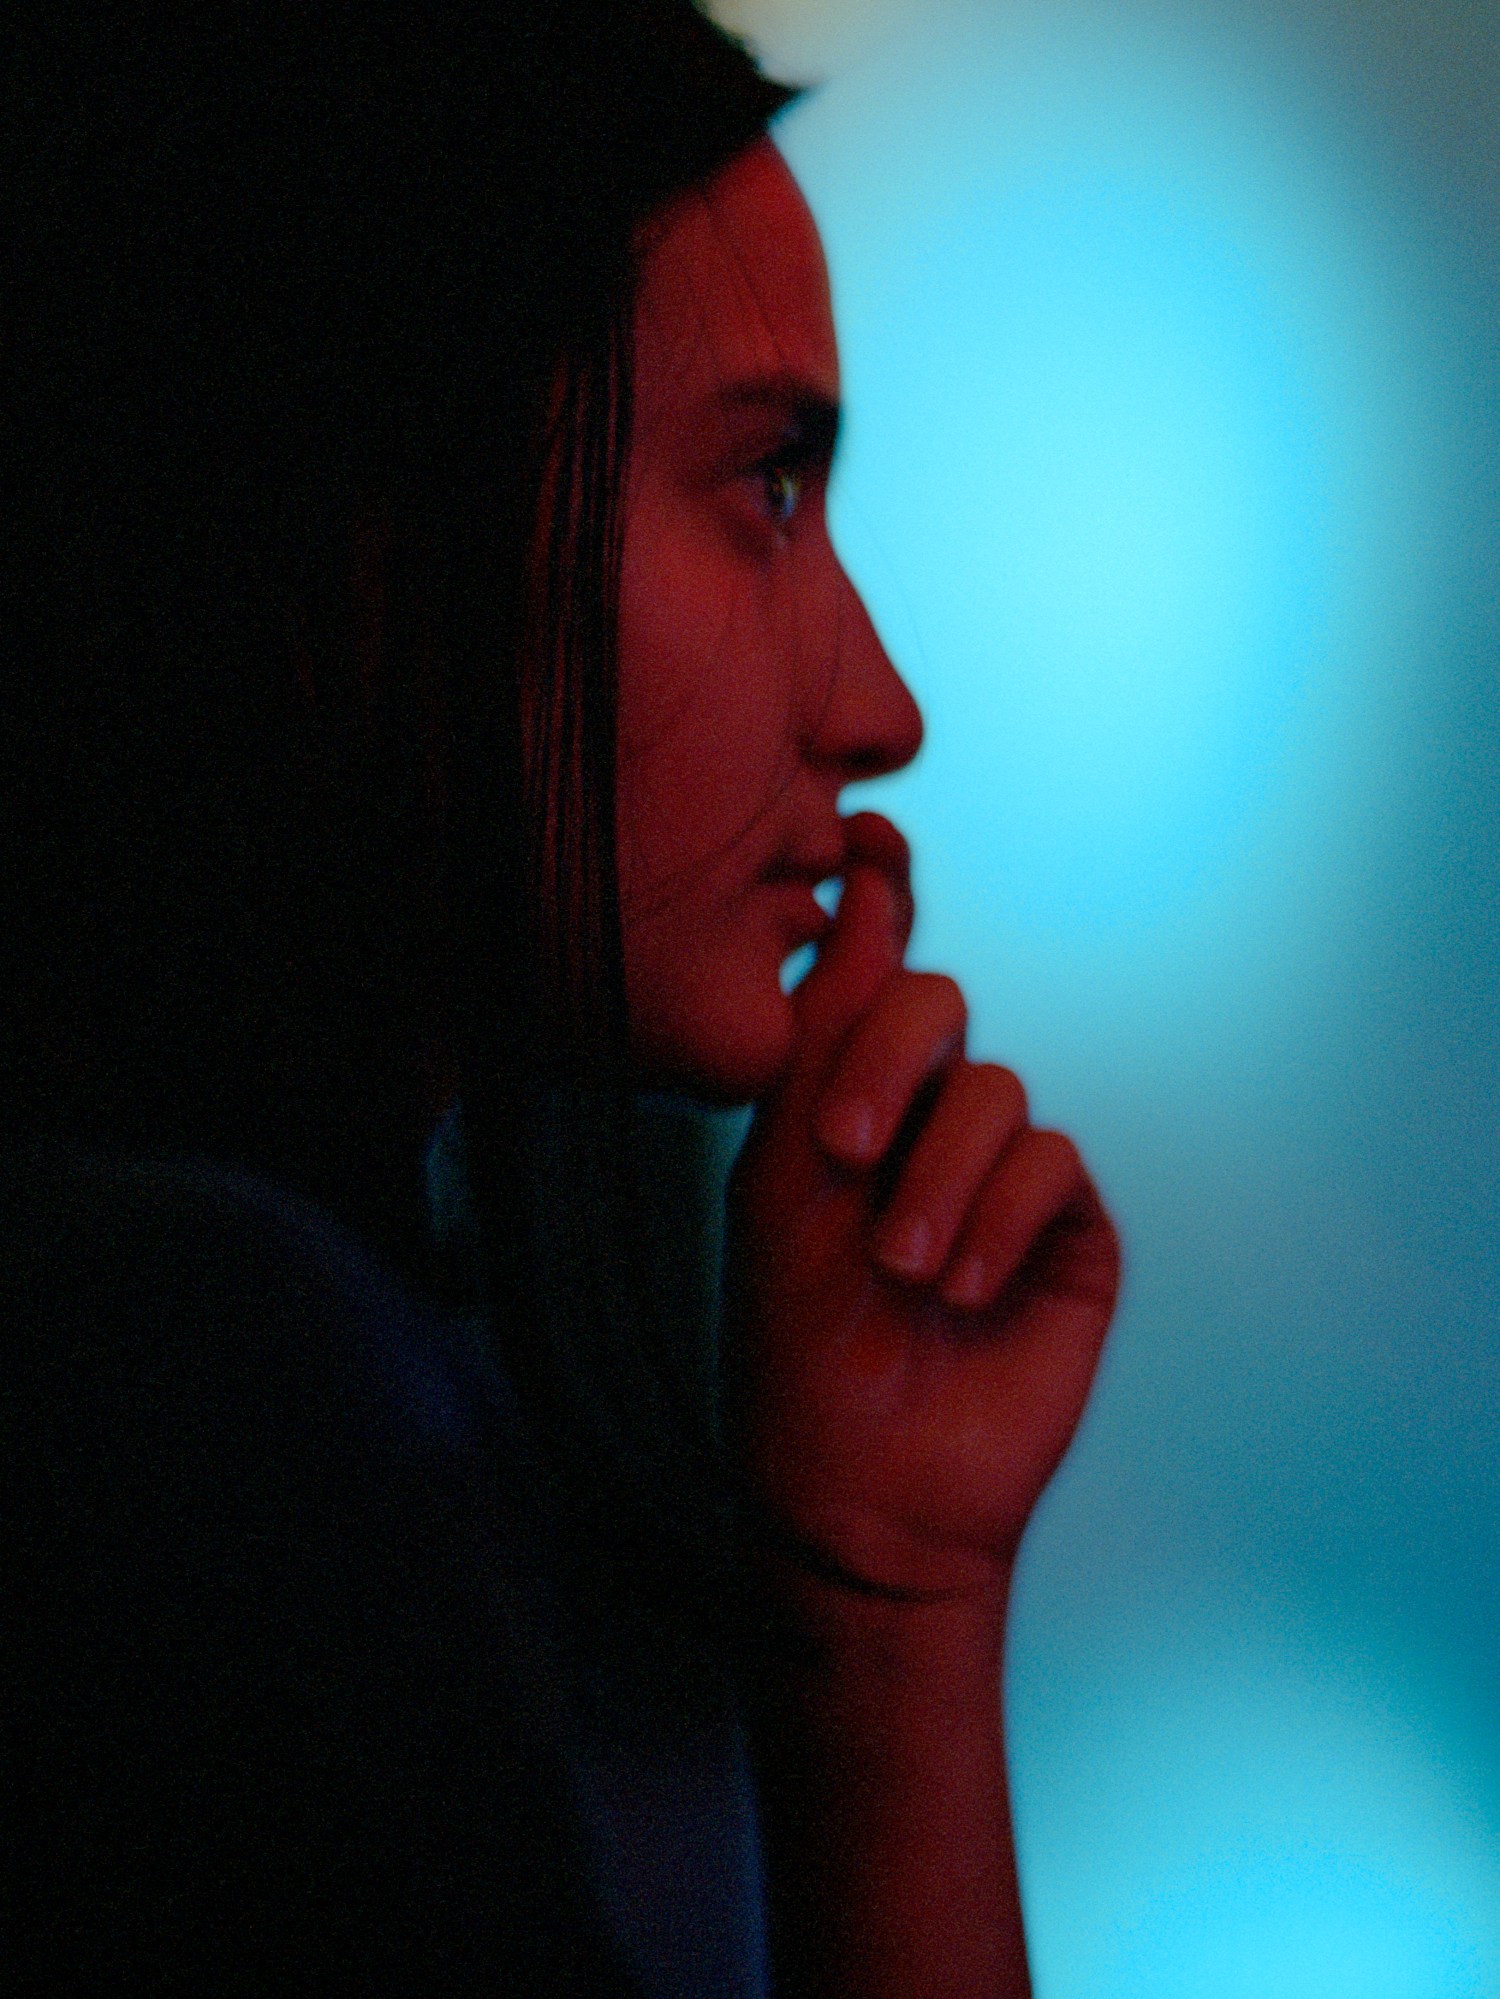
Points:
(782, 483)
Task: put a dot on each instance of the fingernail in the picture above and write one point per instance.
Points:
(904, 1250)
(849, 1132)
(967, 1286)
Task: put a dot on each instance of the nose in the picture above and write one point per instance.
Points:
(864, 720)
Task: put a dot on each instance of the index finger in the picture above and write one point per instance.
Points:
(864, 947)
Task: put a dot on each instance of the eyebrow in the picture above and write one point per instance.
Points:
(814, 416)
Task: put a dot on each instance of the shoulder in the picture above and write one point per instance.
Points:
(264, 1715)
(219, 1395)
(225, 1415)
(150, 1282)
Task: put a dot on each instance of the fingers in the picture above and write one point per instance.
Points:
(981, 1110)
(914, 1028)
(961, 1190)
(870, 837)
(1035, 1185)
(857, 959)
(865, 945)
(979, 1188)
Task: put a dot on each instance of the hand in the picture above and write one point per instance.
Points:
(919, 1281)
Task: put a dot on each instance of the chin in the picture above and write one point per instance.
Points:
(727, 1054)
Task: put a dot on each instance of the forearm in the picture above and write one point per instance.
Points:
(880, 1748)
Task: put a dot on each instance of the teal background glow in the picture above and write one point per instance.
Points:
(1172, 351)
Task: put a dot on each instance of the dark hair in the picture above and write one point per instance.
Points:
(308, 306)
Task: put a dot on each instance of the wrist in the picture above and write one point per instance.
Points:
(878, 1742)
(833, 1625)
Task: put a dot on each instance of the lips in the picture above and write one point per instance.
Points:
(865, 839)
(863, 836)
(806, 919)
(810, 861)
(797, 872)
(807, 878)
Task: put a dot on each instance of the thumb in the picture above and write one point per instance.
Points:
(864, 946)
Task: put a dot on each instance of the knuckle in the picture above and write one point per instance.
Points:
(1002, 1088)
(1059, 1155)
(944, 998)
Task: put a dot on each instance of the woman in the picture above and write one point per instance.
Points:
(443, 689)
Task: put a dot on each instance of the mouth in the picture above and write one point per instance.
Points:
(809, 878)
(804, 900)
(811, 860)
(810, 874)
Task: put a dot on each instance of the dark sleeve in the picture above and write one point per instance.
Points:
(261, 1737)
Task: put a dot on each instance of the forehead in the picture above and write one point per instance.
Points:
(734, 286)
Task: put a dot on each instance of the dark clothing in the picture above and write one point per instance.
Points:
(289, 1710)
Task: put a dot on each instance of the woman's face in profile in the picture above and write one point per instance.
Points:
(752, 684)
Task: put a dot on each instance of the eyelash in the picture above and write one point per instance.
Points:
(783, 478)
(783, 485)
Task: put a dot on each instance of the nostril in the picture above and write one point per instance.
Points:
(869, 763)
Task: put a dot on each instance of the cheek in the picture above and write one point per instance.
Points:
(697, 819)
(705, 730)
(675, 597)
(707, 755)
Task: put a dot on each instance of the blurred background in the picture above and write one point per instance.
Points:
(1172, 477)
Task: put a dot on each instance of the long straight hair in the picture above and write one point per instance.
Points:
(317, 384)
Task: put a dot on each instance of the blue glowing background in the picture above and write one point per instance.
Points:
(1172, 346)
